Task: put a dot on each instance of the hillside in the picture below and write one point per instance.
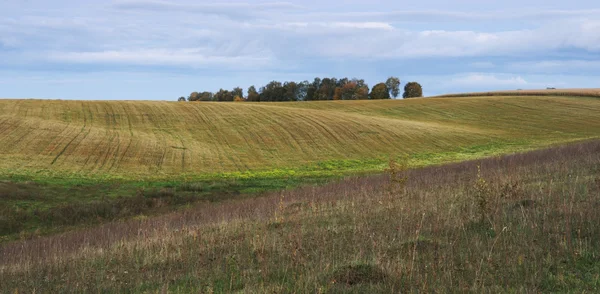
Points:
(143, 140)
(536, 231)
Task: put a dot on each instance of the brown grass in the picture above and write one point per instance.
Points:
(546, 92)
(537, 232)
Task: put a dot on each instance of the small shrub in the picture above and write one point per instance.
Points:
(359, 274)
(482, 195)
(11, 221)
(397, 173)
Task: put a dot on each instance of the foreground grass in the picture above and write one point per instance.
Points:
(524, 223)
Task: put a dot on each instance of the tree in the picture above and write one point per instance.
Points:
(303, 91)
(291, 91)
(393, 84)
(193, 96)
(238, 99)
(181, 99)
(337, 94)
(253, 94)
(326, 89)
(273, 91)
(205, 96)
(380, 91)
(223, 95)
(362, 93)
(237, 91)
(412, 89)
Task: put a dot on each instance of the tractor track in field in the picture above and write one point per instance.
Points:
(71, 141)
(211, 129)
(110, 123)
(130, 128)
(117, 133)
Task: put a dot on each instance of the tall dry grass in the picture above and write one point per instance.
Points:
(524, 223)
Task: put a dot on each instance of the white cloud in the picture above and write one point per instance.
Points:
(234, 10)
(486, 80)
(359, 25)
(555, 65)
(169, 57)
(451, 16)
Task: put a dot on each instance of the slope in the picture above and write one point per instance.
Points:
(149, 140)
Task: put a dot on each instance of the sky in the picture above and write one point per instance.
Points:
(160, 50)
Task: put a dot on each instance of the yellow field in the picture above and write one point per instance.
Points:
(547, 92)
(165, 139)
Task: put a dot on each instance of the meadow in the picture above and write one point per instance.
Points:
(517, 223)
(77, 164)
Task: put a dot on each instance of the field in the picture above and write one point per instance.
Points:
(140, 196)
(519, 223)
(67, 164)
(138, 141)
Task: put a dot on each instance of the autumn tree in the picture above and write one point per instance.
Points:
(380, 91)
(253, 94)
(393, 84)
(193, 96)
(337, 95)
(362, 93)
(412, 89)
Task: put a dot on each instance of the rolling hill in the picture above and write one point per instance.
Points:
(145, 140)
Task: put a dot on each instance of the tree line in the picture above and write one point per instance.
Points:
(318, 89)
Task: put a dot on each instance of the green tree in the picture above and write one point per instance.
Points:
(303, 90)
(253, 94)
(380, 91)
(291, 91)
(237, 91)
(273, 91)
(224, 95)
(412, 89)
(393, 84)
(181, 99)
(205, 96)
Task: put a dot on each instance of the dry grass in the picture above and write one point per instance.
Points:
(152, 140)
(547, 92)
(537, 232)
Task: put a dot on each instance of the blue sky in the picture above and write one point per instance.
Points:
(160, 50)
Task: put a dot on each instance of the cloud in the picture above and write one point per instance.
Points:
(233, 10)
(167, 57)
(487, 81)
(450, 16)
(545, 66)
(482, 64)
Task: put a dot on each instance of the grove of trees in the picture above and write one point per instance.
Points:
(318, 89)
